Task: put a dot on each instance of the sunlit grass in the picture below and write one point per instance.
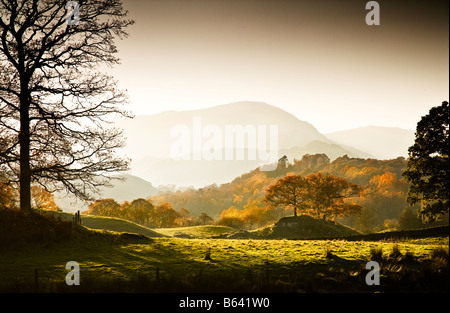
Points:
(204, 231)
(176, 258)
(117, 261)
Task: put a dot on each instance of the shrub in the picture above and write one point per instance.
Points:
(396, 253)
(439, 259)
(328, 254)
(376, 254)
(439, 253)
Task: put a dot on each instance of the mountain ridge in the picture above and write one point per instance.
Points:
(382, 142)
(127, 188)
(151, 137)
(296, 138)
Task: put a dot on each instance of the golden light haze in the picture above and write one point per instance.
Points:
(315, 59)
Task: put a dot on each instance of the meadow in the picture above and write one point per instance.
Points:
(113, 261)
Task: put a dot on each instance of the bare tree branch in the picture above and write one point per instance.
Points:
(55, 108)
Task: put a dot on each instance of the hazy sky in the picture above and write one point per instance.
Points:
(315, 59)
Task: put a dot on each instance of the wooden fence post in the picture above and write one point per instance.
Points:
(36, 280)
(208, 255)
(76, 219)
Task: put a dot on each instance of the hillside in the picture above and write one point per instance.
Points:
(152, 154)
(380, 142)
(106, 223)
(300, 227)
(124, 226)
(126, 188)
(251, 186)
(203, 231)
(158, 127)
(118, 225)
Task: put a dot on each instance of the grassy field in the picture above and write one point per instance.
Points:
(120, 262)
(205, 231)
(110, 223)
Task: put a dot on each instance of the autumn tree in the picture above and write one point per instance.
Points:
(287, 192)
(54, 104)
(231, 217)
(311, 161)
(326, 196)
(42, 199)
(205, 219)
(428, 164)
(8, 197)
(104, 207)
(319, 195)
(383, 198)
(164, 215)
(140, 211)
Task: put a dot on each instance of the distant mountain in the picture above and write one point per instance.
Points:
(380, 142)
(128, 188)
(132, 187)
(332, 150)
(152, 140)
(150, 135)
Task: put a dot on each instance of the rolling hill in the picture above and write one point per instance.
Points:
(299, 227)
(202, 231)
(106, 223)
(118, 225)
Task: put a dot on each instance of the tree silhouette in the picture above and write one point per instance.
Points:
(54, 105)
(428, 166)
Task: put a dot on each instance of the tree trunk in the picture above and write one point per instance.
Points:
(24, 140)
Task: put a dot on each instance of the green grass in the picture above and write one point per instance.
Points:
(182, 260)
(117, 225)
(300, 227)
(121, 225)
(109, 223)
(205, 231)
(117, 262)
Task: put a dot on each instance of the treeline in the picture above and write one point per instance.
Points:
(40, 198)
(240, 203)
(143, 212)
(140, 211)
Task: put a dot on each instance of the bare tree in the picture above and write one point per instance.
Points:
(55, 108)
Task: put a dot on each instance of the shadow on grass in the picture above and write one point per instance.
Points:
(113, 263)
(333, 276)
